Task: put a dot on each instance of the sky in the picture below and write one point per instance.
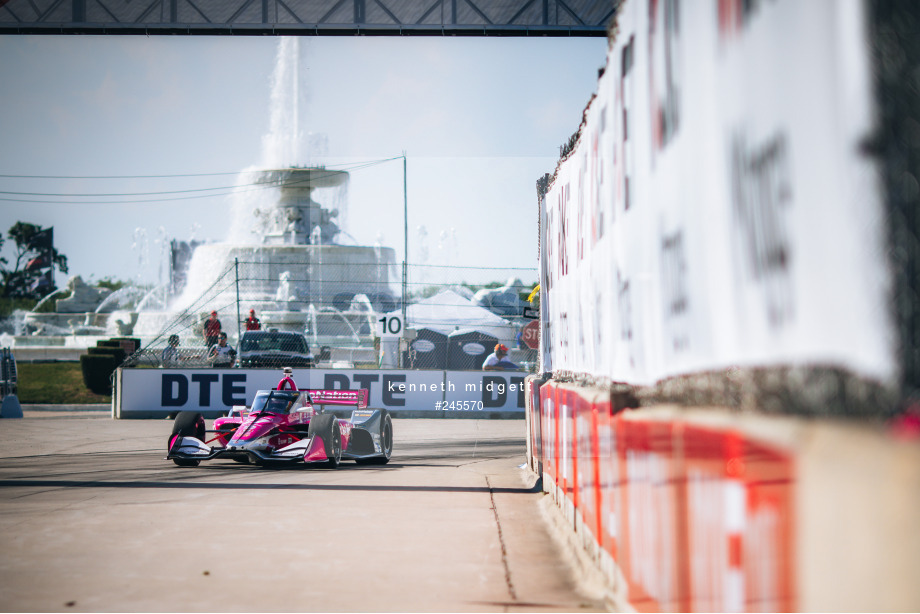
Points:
(478, 119)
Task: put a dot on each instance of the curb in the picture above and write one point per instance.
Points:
(87, 407)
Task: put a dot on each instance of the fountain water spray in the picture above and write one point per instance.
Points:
(276, 226)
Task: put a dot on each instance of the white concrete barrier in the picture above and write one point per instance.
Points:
(150, 393)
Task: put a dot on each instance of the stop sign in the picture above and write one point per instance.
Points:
(530, 334)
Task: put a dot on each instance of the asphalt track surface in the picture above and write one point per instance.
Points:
(92, 518)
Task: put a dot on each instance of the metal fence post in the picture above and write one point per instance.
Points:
(405, 271)
(239, 330)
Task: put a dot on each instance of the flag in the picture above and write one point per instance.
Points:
(39, 262)
(43, 239)
(41, 283)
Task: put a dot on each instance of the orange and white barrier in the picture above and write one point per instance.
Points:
(712, 510)
(692, 517)
(707, 509)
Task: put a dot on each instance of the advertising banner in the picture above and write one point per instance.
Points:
(716, 210)
(148, 392)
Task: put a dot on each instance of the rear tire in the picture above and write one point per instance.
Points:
(188, 424)
(386, 442)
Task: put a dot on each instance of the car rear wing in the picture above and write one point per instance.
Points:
(354, 398)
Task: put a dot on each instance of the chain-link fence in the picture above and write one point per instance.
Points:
(339, 302)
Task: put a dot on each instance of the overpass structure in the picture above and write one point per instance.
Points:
(309, 17)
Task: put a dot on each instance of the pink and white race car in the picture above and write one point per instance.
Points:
(287, 426)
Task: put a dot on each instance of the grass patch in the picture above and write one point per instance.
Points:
(54, 383)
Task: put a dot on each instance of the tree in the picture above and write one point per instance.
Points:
(112, 284)
(30, 276)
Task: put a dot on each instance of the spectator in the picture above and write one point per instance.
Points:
(211, 330)
(252, 322)
(169, 357)
(222, 355)
(496, 360)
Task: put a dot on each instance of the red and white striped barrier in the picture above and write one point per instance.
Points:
(693, 517)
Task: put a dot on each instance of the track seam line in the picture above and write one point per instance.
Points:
(501, 541)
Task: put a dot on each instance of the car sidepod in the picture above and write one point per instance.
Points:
(225, 428)
(371, 440)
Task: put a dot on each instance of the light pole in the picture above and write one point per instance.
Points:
(405, 276)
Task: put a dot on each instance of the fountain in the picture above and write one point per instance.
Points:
(294, 263)
(75, 314)
(282, 243)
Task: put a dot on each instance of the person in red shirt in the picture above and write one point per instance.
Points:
(252, 322)
(211, 330)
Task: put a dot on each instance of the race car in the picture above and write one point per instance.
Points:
(287, 426)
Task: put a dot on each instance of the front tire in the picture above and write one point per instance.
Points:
(188, 424)
(327, 427)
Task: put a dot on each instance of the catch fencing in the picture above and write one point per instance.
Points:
(340, 306)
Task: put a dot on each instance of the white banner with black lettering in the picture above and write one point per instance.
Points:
(152, 392)
(718, 209)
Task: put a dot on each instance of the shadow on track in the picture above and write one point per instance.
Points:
(538, 487)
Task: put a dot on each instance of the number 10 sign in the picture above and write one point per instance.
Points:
(390, 326)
